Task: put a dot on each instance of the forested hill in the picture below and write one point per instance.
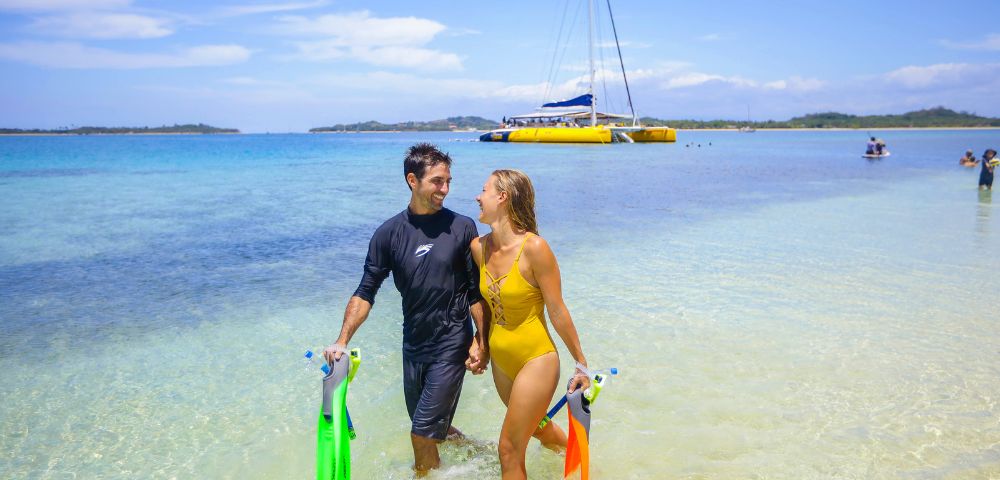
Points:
(450, 123)
(933, 117)
(188, 128)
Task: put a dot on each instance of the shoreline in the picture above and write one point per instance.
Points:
(886, 129)
(837, 129)
(56, 134)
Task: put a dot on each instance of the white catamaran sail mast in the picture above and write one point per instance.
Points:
(590, 41)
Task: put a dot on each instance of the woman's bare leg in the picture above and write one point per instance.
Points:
(527, 400)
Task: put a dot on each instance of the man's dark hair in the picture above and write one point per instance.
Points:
(421, 157)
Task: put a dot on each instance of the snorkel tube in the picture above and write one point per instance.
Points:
(598, 380)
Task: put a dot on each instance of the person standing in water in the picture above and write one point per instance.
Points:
(520, 280)
(426, 248)
(968, 160)
(870, 147)
(986, 174)
(879, 147)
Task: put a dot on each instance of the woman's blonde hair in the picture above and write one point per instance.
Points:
(521, 207)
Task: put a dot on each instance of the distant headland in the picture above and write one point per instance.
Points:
(447, 124)
(938, 117)
(164, 130)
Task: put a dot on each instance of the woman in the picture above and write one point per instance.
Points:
(986, 174)
(519, 279)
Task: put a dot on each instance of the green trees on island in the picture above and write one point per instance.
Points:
(187, 128)
(450, 123)
(927, 118)
(932, 117)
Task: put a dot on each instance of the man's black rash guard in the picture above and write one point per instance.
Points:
(432, 267)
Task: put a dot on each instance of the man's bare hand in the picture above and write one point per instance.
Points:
(334, 352)
(478, 359)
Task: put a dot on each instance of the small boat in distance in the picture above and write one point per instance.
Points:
(748, 128)
(577, 120)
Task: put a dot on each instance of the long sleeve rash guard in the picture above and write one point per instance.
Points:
(433, 269)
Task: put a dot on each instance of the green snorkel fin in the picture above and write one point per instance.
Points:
(333, 444)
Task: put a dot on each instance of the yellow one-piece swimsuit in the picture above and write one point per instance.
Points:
(517, 329)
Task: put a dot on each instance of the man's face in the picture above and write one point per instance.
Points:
(430, 191)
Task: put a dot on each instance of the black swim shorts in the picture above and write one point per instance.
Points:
(432, 391)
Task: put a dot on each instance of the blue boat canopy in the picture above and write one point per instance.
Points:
(584, 100)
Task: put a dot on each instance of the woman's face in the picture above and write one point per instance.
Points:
(490, 201)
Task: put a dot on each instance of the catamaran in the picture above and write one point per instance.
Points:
(577, 120)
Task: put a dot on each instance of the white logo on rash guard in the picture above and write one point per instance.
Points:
(423, 249)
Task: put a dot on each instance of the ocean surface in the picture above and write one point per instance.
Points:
(779, 307)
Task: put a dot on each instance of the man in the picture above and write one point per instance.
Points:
(426, 248)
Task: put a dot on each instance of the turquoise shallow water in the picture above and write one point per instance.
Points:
(778, 306)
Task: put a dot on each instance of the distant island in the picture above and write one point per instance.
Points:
(450, 123)
(175, 129)
(938, 117)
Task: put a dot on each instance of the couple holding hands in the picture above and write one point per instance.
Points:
(446, 273)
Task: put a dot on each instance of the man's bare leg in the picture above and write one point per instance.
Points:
(425, 454)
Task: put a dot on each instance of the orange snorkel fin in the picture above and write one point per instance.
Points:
(578, 443)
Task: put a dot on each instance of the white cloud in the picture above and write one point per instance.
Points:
(321, 50)
(795, 84)
(991, 42)
(451, 32)
(384, 42)
(103, 25)
(254, 9)
(360, 29)
(692, 79)
(711, 37)
(944, 75)
(388, 56)
(417, 86)
(393, 83)
(245, 81)
(77, 56)
(421, 58)
(679, 76)
(61, 5)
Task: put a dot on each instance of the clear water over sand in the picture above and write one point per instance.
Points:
(778, 306)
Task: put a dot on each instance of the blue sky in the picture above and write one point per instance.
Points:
(289, 66)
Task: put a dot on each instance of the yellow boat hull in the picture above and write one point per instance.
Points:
(550, 135)
(654, 134)
(598, 134)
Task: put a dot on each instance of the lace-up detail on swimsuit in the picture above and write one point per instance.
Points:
(495, 284)
(493, 296)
